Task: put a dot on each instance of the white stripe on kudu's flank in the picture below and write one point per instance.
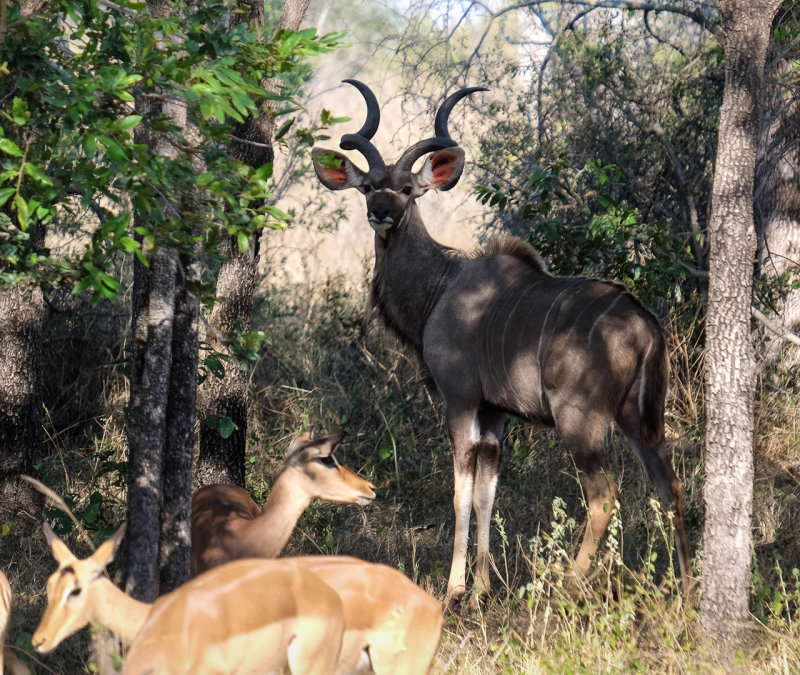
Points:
(605, 311)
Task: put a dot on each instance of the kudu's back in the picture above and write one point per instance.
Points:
(544, 347)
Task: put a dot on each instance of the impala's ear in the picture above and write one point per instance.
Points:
(335, 171)
(58, 548)
(441, 169)
(320, 447)
(105, 552)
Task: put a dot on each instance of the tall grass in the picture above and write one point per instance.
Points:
(327, 364)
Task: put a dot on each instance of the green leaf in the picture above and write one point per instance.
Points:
(5, 193)
(19, 111)
(22, 211)
(128, 122)
(243, 241)
(10, 148)
(281, 132)
(37, 174)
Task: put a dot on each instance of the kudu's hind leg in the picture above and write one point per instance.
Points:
(658, 466)
(584, 436)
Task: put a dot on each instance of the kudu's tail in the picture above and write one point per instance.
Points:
(656, 378)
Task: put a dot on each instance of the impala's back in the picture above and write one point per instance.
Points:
(392, 626)
(247, 617)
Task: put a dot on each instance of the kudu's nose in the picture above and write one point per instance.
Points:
(380, 213)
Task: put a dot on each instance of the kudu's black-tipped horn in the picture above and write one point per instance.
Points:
(441, 138)
(361, 139)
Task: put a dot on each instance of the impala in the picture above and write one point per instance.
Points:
(249, 616)
(6, 656)
(227, 524)
(501, 336)
(390, 624)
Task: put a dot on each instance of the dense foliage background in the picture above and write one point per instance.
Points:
(596, 144)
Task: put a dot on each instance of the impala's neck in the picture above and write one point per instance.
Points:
(412, 271)
(266, 536)
(118, 612)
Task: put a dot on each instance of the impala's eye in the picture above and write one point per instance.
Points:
(329, 461)
(407, 190)
(74, 593)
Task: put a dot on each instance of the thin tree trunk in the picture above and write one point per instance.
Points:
(730, 360)
(152, 353)
(176, 514)
(778, 199)
(221, 460)
(21, 435)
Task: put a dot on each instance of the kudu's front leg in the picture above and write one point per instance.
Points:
(487, 467)
(463, 435)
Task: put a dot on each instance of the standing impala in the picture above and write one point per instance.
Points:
(8, 658)
(391, 626)
(227, 524)
(501, 336)
(250, 616)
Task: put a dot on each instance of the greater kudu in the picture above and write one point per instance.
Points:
(501, 336)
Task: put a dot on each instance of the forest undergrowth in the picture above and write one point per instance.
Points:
(328, 364)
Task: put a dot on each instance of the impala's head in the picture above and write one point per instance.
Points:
(316, 471)
(69, 590)
(391, 191)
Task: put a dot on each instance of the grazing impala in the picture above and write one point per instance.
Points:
(227, 524)
(7, 658)
(501, 336)
(249, 616)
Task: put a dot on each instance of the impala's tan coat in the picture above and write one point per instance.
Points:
(250, 616)
(227, 524)
(247, 617)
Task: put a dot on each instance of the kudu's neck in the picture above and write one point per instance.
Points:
(116, 610)
(411, 273)
(265, 536)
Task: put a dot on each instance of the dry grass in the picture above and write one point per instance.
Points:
(327, 365)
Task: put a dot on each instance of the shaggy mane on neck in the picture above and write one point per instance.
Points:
(515, 248)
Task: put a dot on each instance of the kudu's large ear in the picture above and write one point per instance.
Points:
(441, 169)
(335, 171)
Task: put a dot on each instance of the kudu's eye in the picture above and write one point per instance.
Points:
(407, 190)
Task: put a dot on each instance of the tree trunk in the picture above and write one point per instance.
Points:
(21, 435)
(176, 514)
(777, 195)
(730, 360)
(150, 377)
(221, 460)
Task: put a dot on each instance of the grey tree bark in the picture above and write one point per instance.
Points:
(176, 514)
(162, 385)
(154, 293)
(222, 460)
(21, 434)
(777, 195)
(730, 359)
